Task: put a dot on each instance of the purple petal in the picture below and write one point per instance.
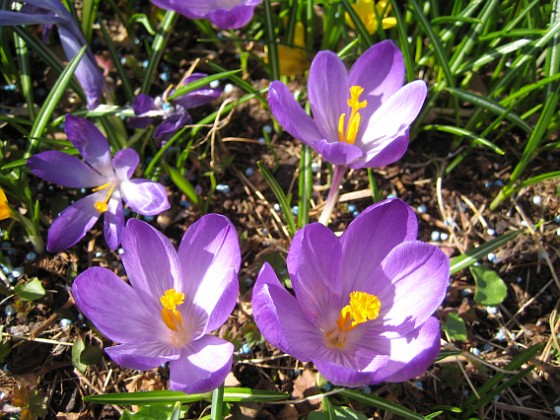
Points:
(199, 96)
(63, 169)
(145, 197)
(337, 153)
(125, 162)
(172, 124)
(88, 73)
(232, 19)
(342, 375)
(20, 18)
(328, 92)
(150, 261)
(389, 152)
(142, 103)
(280, 319)
(392, 119)
(419, 274)
(412, 355)
(113, 223)
(73, 223)
(291, 115)
(91, 144)
(143, 354)
(380, 84)
(203, 366)
(113, 306)
(210, 259)
(369, 239)
(314, 263)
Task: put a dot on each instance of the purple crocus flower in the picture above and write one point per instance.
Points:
(174, 300)
(363, 305)
(109, 178)
(361, 118)
(175, 112)
(225, 14)
(53, 12)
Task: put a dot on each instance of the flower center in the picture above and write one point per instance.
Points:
(363, 307)
(102, 206)
(348, 133)
(169, 313)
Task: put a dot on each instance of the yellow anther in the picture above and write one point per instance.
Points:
(169, 313)
(363, 307)
(101, 206)
(349, 135)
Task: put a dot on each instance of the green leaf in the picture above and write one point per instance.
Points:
(490, 288)
(151, 412)
(77, 349)
(32, 290)
(91, 355)
(455, 327)
(381, 403)
(199, 83)
(182, 183)
(340, 413)
(473, 255)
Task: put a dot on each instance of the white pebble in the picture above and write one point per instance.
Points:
(444, 236)
(435, 235)
(228, 88)
(491, 232)
(557, 410)
(214, 84)
(492, 310)
(491, 257)
(537, 200)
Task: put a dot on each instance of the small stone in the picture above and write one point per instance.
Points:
(228, 88)
(519, 279)
(492, 310)
(249, 171)
(492, 257)
(215, 84)
(467, 292)
(315, 167)
(488, 184)
(98, 254)
(391, 196)
(356, 213)
(523, 223)
(145, 63)
(31, 256)
(435, 235)
(120, 251)
(444, 236)
(557, 410)
(366, 390)
(499, 183)
(65, 323)
(245, 349)
(17, 272)
(261, 140)
(295, 210)
(537, 200)
(351, 208)
(9, 310)
(276, 207)
(475, 351)
(419, 385)
(185, 204)
(491, 232)
(223, 188)
(198, 189)
(148, 218)
(267, 128)
(501, 335)
(422, 208)
(164, 76)
(486, 347)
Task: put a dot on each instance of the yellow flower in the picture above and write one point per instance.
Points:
(370, 18)
(293, 60)
(5, 211)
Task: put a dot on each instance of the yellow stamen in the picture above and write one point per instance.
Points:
(349, 135)
(363, 307)
(169, 313)
(101, 206)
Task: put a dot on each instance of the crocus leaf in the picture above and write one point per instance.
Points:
(382, 403)
(77, 349)
(183, 184)
(91, 355)
(32, 290)
(200, 83)
(152, 411)
(455, 327)
(341, 413)
(490, 288)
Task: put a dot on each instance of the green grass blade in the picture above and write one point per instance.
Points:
(461, 132)
(182, 183)
(540, 178)
(382, 403)
(367, 41)
(272, 46)
(280, 196)
(25, 75)
(490, 105)
(89, 13)
(158, 48)
(473, 255)
(402, 30)
(52, 101)
(199, 83)
(305, 186)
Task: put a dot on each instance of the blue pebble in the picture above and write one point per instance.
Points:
(17, 272)
(356, 213)
(120, 251)
(276, 207)
(249, 171)
(366, 390)
(164, 76)
(9, 310)
(475, 351)
(315, 167)
(422, 208)
(197, 189)
(267, 128)
(223, 188)
(295, 210)
(499, 183)
(148, 218)
(391, 196)
(488, 184)
(435, 235)
(126, 212)
(166, 106)
(10, 88)
(123, 60)
(351, 208)
(145, 63)
(327, 387)
(31, 256)
(245, 349)
(185, 204)
(492, 257)
(65, 323)
(265, 231)
(261, 140)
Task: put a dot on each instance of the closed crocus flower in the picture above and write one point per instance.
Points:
(363, 304)
(173, 302)
(370, 13)
(225, 14)
(174, 113)
(110, 180)
(361, 118)
(53, 12)
(5, 211)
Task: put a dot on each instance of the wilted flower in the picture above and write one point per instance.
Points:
(5, 211)
(53, 12)
(361, 118)
(225, 14)
(174, 300)
(370, 15)
(174, 112)
(363, 305)
(109, 178)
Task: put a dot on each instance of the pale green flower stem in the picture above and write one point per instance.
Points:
(332, 198)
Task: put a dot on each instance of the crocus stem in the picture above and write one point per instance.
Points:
(217, 403)
(332, 198)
